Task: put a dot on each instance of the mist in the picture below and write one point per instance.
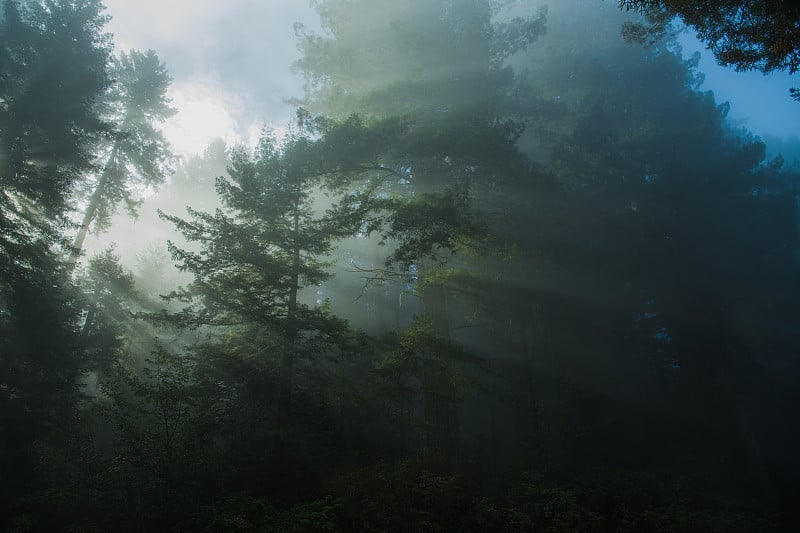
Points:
(418, 265)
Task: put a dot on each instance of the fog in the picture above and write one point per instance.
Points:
(381, 265)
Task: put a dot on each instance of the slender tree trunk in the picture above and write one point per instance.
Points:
(288, 356)
(440, 399)
(87, 323)
(91, 212)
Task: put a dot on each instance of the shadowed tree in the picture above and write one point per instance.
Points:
(53, 74)
(759, 35)
(53, 71)
(650, 262)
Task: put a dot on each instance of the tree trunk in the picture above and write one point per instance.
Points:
(440, 398)
(91, 212)
(89, 320)
(287, 358)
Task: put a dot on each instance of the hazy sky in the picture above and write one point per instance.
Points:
(229, 60)
(230, 63)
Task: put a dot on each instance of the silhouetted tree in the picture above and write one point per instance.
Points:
(53, 73)
(648, 261)
(749, 35)
(137, 154)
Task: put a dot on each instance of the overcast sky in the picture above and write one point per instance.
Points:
(231, 67)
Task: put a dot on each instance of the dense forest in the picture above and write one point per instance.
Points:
(508, 268)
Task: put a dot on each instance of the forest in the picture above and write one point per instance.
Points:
(508, 267)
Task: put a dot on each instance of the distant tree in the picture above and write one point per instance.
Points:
(193, 182)
(137, 154)
(154, 272)
(110, 294)
(747, 34)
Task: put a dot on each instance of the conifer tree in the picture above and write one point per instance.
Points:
(441, 67)
(137, 154)
(266, 245)
(53, 72)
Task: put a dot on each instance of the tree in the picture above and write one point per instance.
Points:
(53, 73)
(138, 154)
(110, 292)
(159, 438)
(48, 131)
(441, 67)
(261, 250)
(649, 298)
(749, 35)
(193, 181)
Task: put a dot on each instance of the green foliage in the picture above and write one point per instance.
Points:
(135, 155)
(418, 351)
(264, 247)
(48, 131)
(420, 362)
(194, 180)
(53, 72)
(314, 516)
(433, 227)
(109, 295)
(139, 156)
(153, 411)
(755, 35)
(158, 439)
(268, 244)
(434, 72)
(387, 59)
(635, 376)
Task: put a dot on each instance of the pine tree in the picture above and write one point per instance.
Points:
(264, 247)
(441, 67)
(137, 154)
(53, 73)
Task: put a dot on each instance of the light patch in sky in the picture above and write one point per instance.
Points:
(230, 62)
(203, 115)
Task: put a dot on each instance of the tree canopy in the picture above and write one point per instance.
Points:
(489, 278)
(748, 35)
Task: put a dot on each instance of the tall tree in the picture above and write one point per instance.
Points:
(138, 155)
(646, 256)
(441, 65)
(53, 73)
(49, 130)
(263, 248)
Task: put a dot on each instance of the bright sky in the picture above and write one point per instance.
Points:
(230, 62)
